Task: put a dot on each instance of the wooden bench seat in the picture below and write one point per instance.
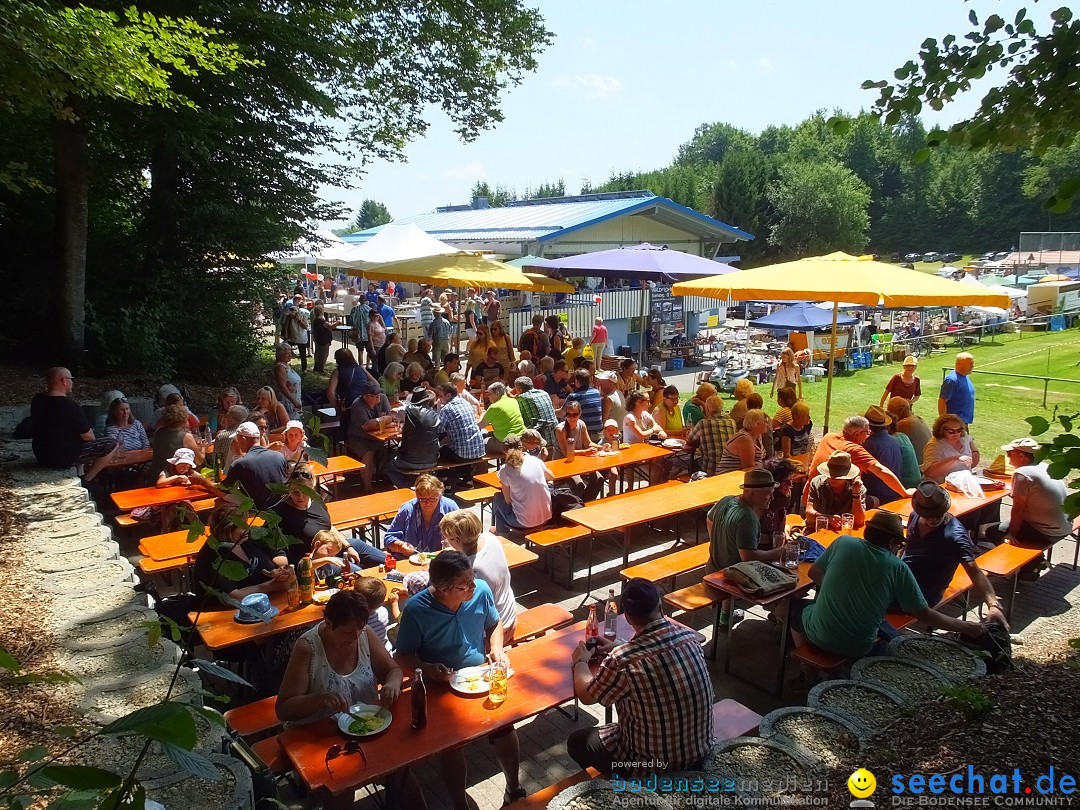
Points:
(477, 495)
(125, 519)
(540, 619)
(816, 658)
(670, 565)
(557, 535)
(959, 586)
(695, 597)
(731, 719)
(1008, 561)
(254, 718)
(150, 566)
(272, 755)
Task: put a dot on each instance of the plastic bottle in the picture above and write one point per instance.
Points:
(305, 579)
(293, 590)
(391, 562)
(419, 700)
(611, 616)
(592, 627)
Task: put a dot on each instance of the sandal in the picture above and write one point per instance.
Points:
(509, 797)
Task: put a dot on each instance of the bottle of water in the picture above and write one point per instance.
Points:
(611, 616)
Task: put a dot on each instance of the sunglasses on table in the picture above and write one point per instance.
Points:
(335, 751)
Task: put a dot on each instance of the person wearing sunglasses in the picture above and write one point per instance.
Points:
(416, 525)
(950, 449)
(451, 625)
(335, 664)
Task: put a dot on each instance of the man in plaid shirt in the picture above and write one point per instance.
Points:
(462, 438)
(537, 410)
(659, 683)
(710, 435)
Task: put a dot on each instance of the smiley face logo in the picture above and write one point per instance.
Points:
(861, 783)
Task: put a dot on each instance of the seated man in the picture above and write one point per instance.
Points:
(422, 355)
(536, 408)
(856, 582)
(837, 490)
(416, 525)
(62, 435)
(256, 467)
(451, 365)
(419, 447)
(1038, 518)
(850, 439)
(937, 543)
(886, 449)
(489, 370)
(504, 416)
(454, 624)
(659, 681)
(364, 414)
(557, 382)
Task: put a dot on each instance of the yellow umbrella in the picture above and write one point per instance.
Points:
(452, 270)
(840, 277)
(1045, 279)
(542, 283)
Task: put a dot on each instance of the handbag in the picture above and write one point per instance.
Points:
(757, 578)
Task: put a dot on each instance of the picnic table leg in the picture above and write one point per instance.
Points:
(778, 687)
(729, 605)
(588, 575)
(1012, 595)
(626, 547)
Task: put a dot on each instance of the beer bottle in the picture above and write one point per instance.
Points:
(592, 627)
(293, 590)
(419, 700)
(611, 616)
(305, 579)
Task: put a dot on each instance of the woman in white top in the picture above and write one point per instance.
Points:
(287, 381)
(639, 425)
(788, 373)
(950, 450)
(524, 501)
(464, 532)
(335, 664)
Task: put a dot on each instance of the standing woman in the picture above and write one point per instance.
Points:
(788, 373)
(599, 340)
(554, 328)
(505, 347)
(226, 399)
(376, 337)
(478, 346)
(905, 384)
(322, 336)
(287, 381)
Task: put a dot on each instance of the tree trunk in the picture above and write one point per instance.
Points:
(72, 185)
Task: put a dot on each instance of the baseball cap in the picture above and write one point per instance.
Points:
(248, 429)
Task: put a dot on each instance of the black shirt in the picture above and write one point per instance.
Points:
(301, 525)
(487, 372)
(205, 572)
(59, 425)
(255, 469)
(419, 439)
(557, 388)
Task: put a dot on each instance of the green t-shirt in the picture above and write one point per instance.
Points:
(861, 581)
(735, 525)
(910, 474)
(505, 418)
(692, 413)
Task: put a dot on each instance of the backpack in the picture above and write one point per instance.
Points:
(995, 644)
(563, 500)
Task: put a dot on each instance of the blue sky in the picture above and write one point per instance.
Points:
(625, 83)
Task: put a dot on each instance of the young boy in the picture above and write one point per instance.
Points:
(373, 590)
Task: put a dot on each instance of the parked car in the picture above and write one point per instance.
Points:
(913, 257)
(949, 258)
(1001, 256)
(932, 256)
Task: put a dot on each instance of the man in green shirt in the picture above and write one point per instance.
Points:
(856, 581)
(504, 416)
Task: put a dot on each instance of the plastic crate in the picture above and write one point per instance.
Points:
(676, 363)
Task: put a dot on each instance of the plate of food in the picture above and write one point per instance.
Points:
(322, 597)
(674, 444)
(473, 680)
(987, 484)
(422, 557)
(363, 720)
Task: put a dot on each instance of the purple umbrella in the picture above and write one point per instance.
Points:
(643, 262)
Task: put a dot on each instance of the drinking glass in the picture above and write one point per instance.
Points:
(778, 540)
(791, 556)
(497, 679)
(121, 450)
(847, 522)
(821, 523)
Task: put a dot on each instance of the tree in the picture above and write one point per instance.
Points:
(1036, 107)
(497, 197)
(372, 213)
(820, 208)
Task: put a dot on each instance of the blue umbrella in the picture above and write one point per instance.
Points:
(802, 318)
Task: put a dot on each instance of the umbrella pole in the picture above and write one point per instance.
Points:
(832, 362)
(644, 326)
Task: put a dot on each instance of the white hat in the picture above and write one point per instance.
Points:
(611, 423)
(606, 375)
(1028, 445)
(248, 429)
(183, 455)
(294, 423)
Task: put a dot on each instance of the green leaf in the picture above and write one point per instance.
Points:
(193, 762)
(921, 155)
(1039, 425)
(147, 716)
(82, 777)
(34, 754)
(37, 779)
(1059, 469)
(64, 731)
(232, 570)
(213, 715)
(219, 671)
(77, 800)
(7, 779)
(153, 634)
(1074, 643)
(973, 18)
(318, 454)
(1061, 15)
(8, 661)
(993, 23)
(1066, 439)
(120, 799)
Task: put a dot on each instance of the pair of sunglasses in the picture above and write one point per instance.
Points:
(335, 751)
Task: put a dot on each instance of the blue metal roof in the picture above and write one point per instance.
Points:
(549, 220)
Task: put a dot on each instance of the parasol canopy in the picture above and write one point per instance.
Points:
(545, 284)
(802, 317)
(645, 261)
(454, 270)
(393, 243)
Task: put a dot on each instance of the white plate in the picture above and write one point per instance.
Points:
(608, 453)
(364, 710)
(674, 444)
(322, 597)
(422, 558)
(472, 680)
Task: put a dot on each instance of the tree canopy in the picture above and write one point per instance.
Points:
(372, 213)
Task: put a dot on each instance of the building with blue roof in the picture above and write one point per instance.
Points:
(564, 226)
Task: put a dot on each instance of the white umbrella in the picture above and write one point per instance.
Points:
(393, 243)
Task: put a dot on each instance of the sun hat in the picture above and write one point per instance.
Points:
(888, 523)
(838, 466)
(878, 416)
(512, 441)
(534, 435)
(640, 597)
(370, 387)
(183, 455)
(1026, 443)
(421, 396)
(910, 360)
(758, 479)
(437, 309)
(248, 429)
(930, 500)
(294, 423)
(611, 423)
(254, 608)
(606, 375)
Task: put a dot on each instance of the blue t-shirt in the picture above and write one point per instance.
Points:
(933, 557)
(885, 449)
(408, 525)
(959, 394)
(387, 313)
(437, 635)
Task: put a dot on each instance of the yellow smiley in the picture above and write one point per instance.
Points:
(861, 783)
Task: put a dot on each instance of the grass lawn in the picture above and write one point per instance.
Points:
(1001, 403)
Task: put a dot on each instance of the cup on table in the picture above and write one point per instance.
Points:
(791, 556)
(497, 680)
(778, 539)
(821, 523)
(847, 522)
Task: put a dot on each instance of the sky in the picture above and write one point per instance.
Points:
(626, 83)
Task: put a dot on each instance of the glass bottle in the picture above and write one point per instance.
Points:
(611, 616)
(592, 627)
(419, 700)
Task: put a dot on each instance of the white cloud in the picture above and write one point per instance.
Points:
(591, 85)
(470, 171)
(765, 63)
(731, 64)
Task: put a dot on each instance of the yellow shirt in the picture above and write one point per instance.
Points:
(672, 420)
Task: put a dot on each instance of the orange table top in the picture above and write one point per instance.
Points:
(336, 465)
(582, 463)
(652, 504)
(173, 545)
(961, 504)
(129, 499)
(353, 512)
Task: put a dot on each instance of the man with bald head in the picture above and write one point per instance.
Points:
(62, 435)
(957, 391)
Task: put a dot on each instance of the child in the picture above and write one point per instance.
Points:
(183, 473)
(533, 444)
(373, 590)
(612, 435)
(329, 547)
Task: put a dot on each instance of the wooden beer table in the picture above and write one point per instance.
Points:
(651, 503)
(352, 513)
(584, 464)
(129, 499)
(961, 504)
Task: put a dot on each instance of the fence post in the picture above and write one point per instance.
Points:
(1046, 385)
